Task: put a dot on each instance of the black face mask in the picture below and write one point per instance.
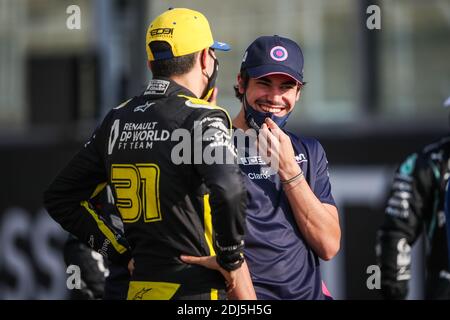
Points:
(211, 81)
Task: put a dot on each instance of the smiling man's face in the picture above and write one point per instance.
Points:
(275, 93)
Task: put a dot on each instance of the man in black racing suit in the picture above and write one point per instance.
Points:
(154, 150)
(416, 205)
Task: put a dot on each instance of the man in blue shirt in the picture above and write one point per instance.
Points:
(291, 216)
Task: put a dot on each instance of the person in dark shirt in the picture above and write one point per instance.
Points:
(291, 217)
(447, 218)
(416, 205)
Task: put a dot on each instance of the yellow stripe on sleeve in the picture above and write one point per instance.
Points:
(208, 224)
(104, 229)
(98, 189)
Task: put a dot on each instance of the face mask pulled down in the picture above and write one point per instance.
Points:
(255, 119)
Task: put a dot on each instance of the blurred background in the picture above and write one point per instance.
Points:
(373, 96)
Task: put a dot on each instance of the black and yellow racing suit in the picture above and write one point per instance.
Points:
(155, 151)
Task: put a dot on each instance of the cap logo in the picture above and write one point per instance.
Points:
(161, 31)
(278, 53)
(245, 56)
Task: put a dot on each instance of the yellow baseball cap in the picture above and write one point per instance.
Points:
(186, 31)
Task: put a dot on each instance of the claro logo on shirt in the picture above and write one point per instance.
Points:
(264, 171)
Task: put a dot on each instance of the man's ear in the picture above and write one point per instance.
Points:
(203, 57)
(240, 82)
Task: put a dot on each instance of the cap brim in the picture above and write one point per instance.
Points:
(220, 46)
(268, 69)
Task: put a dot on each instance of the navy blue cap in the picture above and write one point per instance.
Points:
(273, 55)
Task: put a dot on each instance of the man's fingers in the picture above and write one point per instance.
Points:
(263, 141)
(268, 141)
(209, 262)
(264, 131)
(263, 135)
(231, 286)
(274, 144)
(230, 280)
(131, 266)
(263, 147)
(274, 129)
(271, 124)
(276, 136)
(192, 259)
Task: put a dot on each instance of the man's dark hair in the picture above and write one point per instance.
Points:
(175, 66)
(246, 78)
